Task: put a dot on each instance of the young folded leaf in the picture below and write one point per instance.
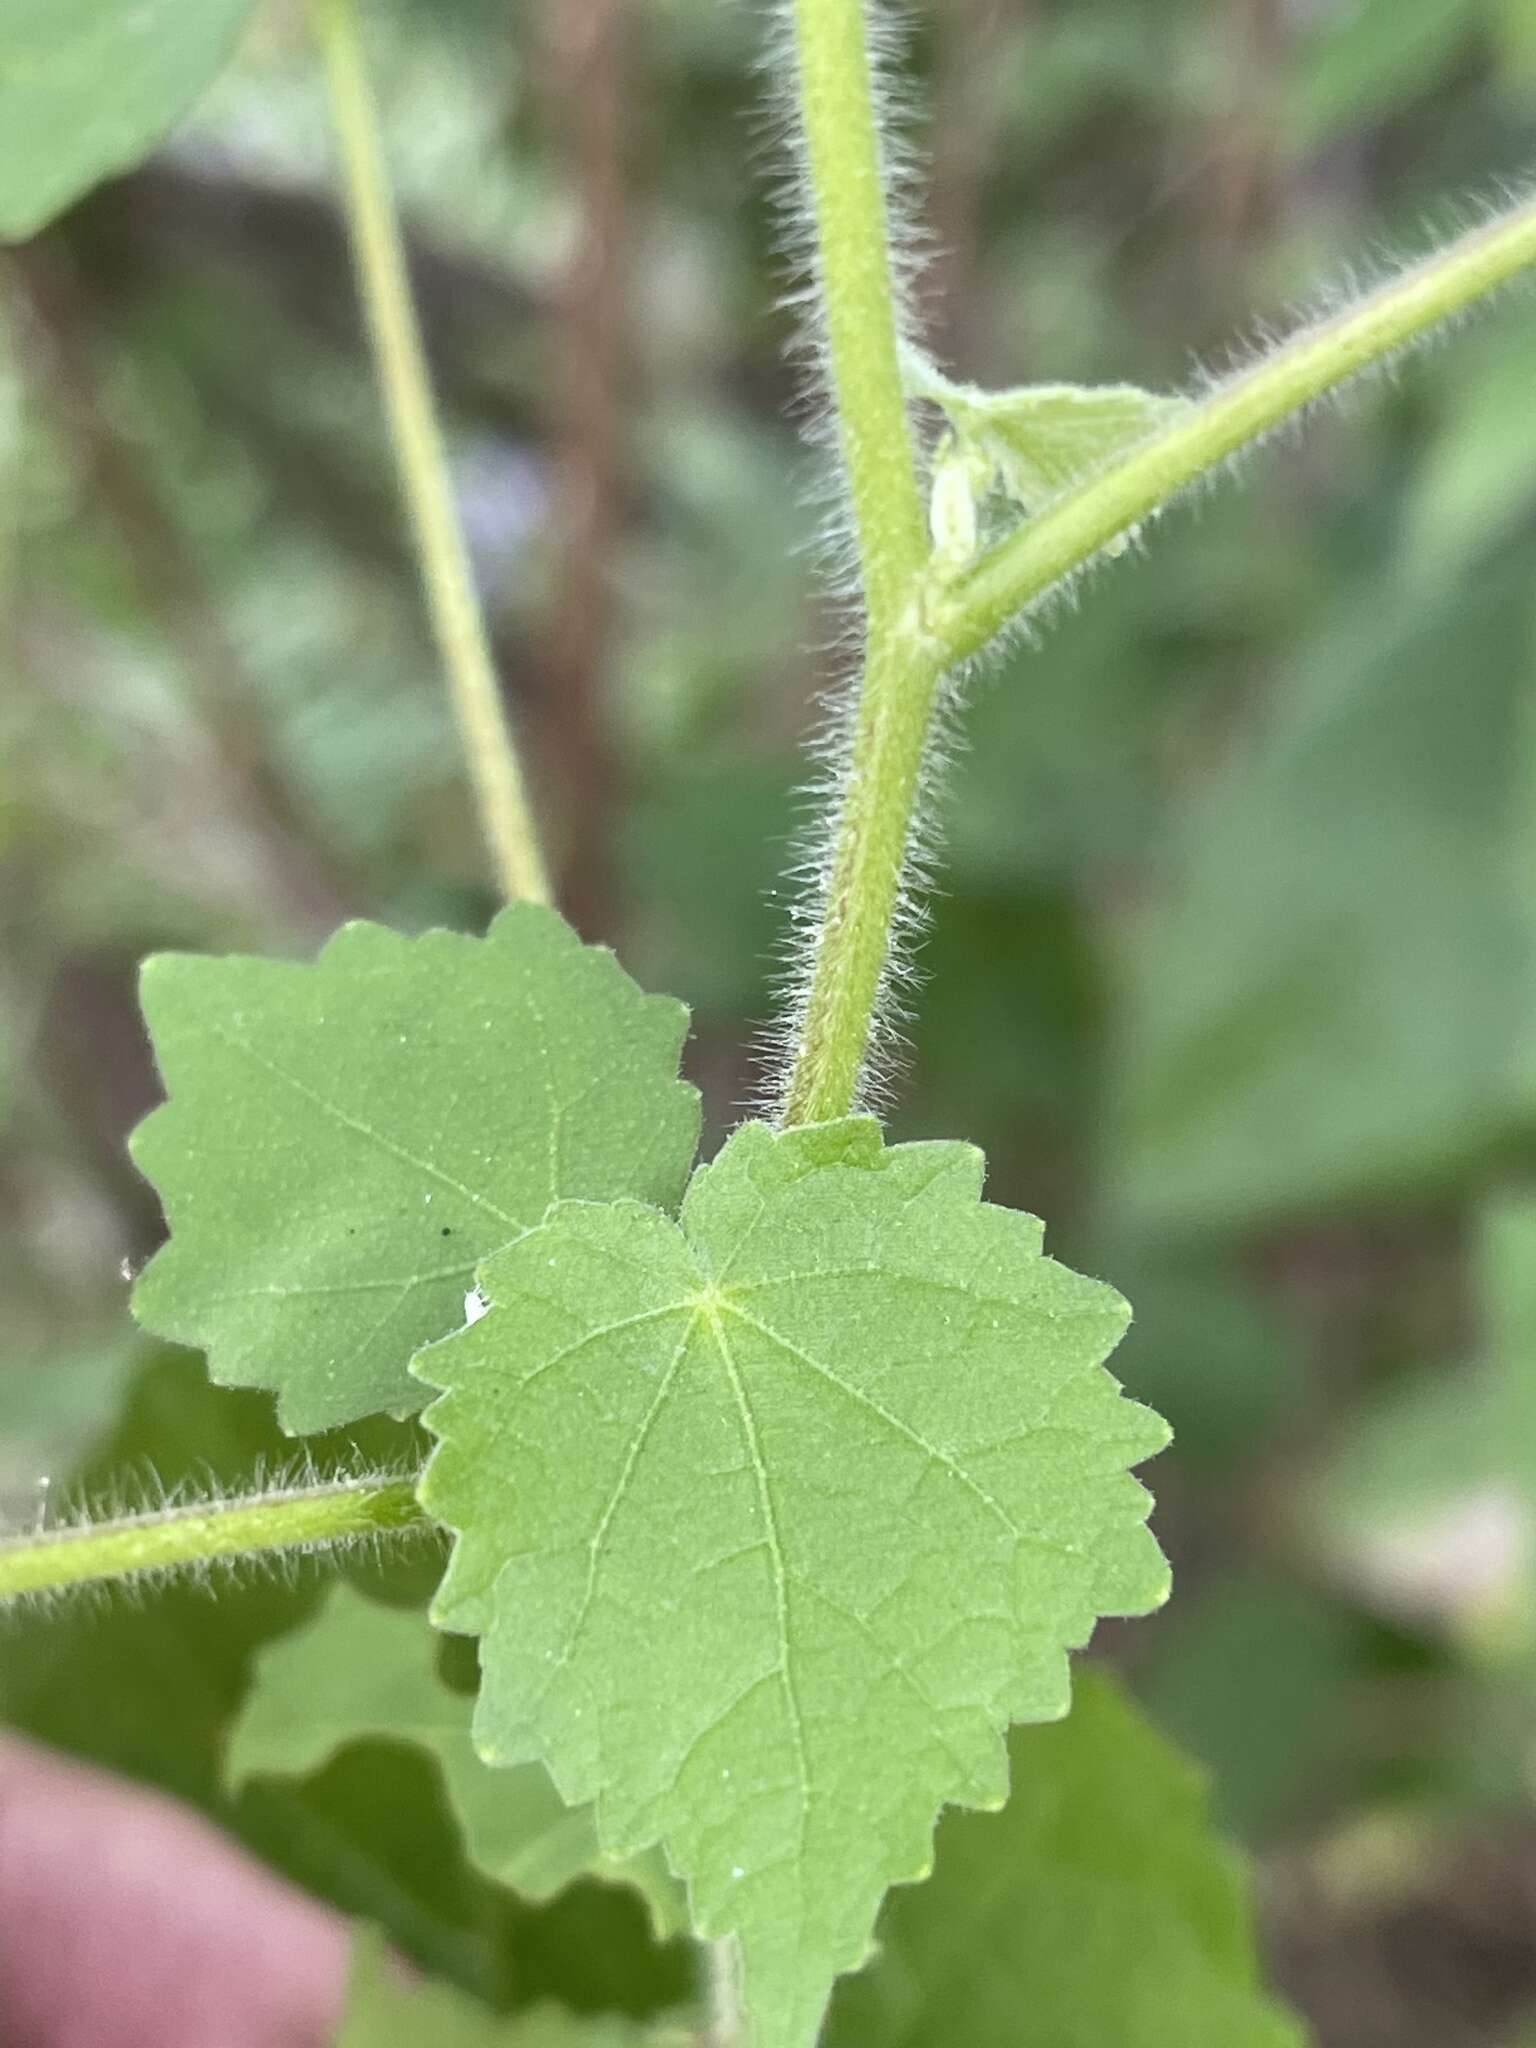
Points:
(1038, 439)
(1100, 1902)
(772, 1519)
(344, 1141)
(359, 1672)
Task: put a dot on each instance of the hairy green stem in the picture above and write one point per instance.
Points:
(845, 176)
(1239, 411)
(937, 620)
(869, 858)
(457, 621)
(308, 1518)
(845, 179)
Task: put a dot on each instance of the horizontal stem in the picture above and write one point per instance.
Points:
(309, 1518)
(1242, 409)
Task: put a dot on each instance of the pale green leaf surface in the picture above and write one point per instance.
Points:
(87, 87)
(359, 1671)
(1100, 1907)
(774, 1518)
(386, 2008)
(345, 1140)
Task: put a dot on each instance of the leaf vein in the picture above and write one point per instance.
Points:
(621, 1486)
(362, 1130)
(780, 1570)
(406, 1283)
(877, 1408)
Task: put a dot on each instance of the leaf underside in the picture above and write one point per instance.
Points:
(773, 1519)
(88, 87)
(358, 1671)
(345, 1140)
(1099, 1907)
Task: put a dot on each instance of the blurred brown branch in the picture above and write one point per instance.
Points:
(587, 62)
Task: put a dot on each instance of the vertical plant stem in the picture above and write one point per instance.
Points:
(845, 177)
(722, 1994)
(457, 621)
(863, 891)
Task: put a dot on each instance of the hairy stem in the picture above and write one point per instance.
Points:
(308, 1518)
(863, 893)
(406, 388)
(1239, 411)
(845, 177)
(943, 621)
(846, 180)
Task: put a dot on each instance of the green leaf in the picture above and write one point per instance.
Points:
(387, 2009)
(1329, 1001)
(773, 1520)
(1265, 1682)
(143, 1685)
(149, 1683)
(1099, 1907)
(359, 1671)
(87, 87)
(344, 1141)
(1037, 439)
(1358, 64)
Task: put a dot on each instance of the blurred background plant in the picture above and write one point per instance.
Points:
(1233, 964)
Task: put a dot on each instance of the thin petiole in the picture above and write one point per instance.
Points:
(405, 385)
(302, 1519)
(923, 618)
(1239, 411)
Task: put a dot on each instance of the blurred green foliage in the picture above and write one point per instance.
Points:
(1232, 965)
